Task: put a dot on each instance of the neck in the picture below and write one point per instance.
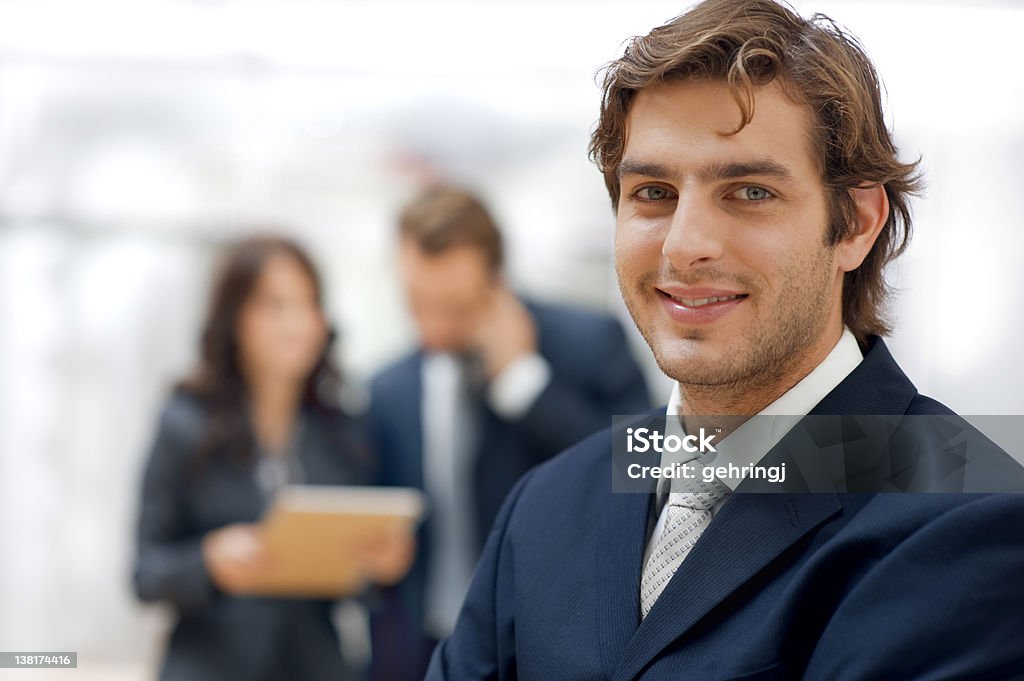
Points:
(273, 404)
(700, 404)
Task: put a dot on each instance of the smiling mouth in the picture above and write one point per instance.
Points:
(703, 302)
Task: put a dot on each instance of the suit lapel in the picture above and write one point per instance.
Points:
(619, 556)
(623, 529)
(396, 417)
(750, 531)
(415, 424)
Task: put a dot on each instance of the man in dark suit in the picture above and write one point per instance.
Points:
(758, 197)
(498, 385)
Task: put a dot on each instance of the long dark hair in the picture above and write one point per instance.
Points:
(217, 381)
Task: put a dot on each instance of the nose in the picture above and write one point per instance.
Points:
(694, 236)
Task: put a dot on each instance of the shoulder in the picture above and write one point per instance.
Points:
(577, 339)
(548, 501)
(184, 417)
(586, 465)
(922, 405)
(394, 393)
(948, 446)
(181, 429)
(396, 375)
(582, 470)
(582, 321)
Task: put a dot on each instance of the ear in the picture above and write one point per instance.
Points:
(871, 210)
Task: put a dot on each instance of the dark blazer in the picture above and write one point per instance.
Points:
(594, 377)
(779, 586)
(218, 636)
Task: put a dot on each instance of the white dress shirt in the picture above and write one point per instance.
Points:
(450, 439)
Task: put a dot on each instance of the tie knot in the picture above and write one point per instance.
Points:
(697, 494)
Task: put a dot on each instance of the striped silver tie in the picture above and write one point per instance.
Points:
(687, 515)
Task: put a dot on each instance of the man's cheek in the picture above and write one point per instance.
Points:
(632, 251)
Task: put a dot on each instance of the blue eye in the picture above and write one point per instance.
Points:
(753, 193)
(653, 193)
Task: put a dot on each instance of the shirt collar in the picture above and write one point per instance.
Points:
(747, 444)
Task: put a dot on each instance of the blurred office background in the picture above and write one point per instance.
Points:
(136, 138)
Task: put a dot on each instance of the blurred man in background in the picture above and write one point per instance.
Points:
(497, 385)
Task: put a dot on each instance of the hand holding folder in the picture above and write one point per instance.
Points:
(328, 541)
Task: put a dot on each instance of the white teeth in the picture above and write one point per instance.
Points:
(698, 302)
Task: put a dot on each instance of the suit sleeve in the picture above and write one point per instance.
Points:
(947, 603)
(169, 563)
(565, 412)
(482, 646)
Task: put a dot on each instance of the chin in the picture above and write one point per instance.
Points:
(695, 360)
(683, 369)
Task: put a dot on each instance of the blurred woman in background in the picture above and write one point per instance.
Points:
(258, 413)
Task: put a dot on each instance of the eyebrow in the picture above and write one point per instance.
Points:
(711, 172)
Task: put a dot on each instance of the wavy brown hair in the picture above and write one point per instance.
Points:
(818, 64)
(217, 382)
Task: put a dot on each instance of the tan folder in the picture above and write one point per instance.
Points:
(312, 531)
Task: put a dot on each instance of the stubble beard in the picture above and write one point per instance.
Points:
(760, 363)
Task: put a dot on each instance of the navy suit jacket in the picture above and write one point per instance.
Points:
(779, 586)
(594, 376)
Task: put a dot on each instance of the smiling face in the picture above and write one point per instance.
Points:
(720, 241)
